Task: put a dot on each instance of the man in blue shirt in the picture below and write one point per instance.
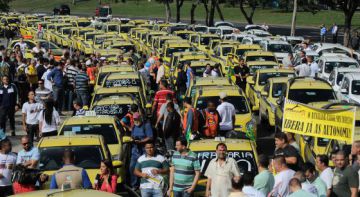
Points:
(141, 133)
(189, 74)
(70, 176)
(56, 77)
(323, 33)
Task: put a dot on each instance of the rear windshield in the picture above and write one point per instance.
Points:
(239, 103)
(106, 130)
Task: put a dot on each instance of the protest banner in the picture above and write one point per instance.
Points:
(306, 120)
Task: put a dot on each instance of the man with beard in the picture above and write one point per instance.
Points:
(220, 172)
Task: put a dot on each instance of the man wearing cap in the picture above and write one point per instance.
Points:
(141, 133)
(227, 114)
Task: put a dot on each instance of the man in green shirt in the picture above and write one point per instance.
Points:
(184, 170)
(346, 180)
(264, 181)
(311, 176)
(296, 191)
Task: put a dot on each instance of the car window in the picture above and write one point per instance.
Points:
(278, 89)
(239, 103)
(106, 130)
(311, 95)
(329, 66)
(87, 157)
(355, 87)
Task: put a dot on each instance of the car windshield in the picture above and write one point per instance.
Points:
(87, 157)
(277, 89)
(260, 58)
(263, 77)
(124, 48)
(245, 160)
(329, 66)
(254, 68)
(227, 31)
(226, 50)
(311, 95)
(198, 70)
(200, 29)
(66, 31)
(239, 103)
(170, 51)
(106, 130)
(240, 52)
(212, 30)
(322, 141)
(184, 36)
(205, 40)
(122, 83)
(84, 24)
(280, 48)
(118, 110)
(355, 87)
(125, 29)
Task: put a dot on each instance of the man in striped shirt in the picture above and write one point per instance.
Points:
(70, 73)
(150, 167)
(184, 170)
(160, 96)
(82, 87)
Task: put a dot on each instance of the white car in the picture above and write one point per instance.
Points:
(254, 26)
(211, 30)
(328, 62)
(350, 88)
(251, 39)
(337, 75)
(258, 32)
(325, 48)
(223, 24)
(200, 28)
(238, 36)
(293, 40)
(281, 49)
(224, 30)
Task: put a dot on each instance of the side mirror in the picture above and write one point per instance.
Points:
(344, 91)
(117, 164)
(127, 139)
(263, 93)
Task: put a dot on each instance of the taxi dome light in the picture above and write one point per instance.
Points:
(219, 139)
(69, 133)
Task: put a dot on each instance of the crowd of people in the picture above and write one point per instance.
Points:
(44, 88)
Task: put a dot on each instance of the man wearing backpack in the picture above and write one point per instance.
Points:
(191, 119)
(211, 120)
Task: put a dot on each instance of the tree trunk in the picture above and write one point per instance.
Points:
(206, 12)
(347, 29)
(249, 18)
(74, 2)
(167, 11)
(293, 21)
(192, 12)
(212, 13)
(177, 11)
(219, 11)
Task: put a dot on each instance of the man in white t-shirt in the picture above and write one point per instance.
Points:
(47, 83)
(326, 173)
(7, 164)
(282, 177)
(227, 113)
(30, 112)
(314, 67)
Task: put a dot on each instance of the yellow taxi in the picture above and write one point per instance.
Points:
(147, 47)
(124, 79)
(303, 90)
(184, 34)
(67, 193)
(117, 106)
(133, 91)
(257, 82)
(238, 52)
(201, 41)
(105, 70)
(250, 56)
(242, 150)
(158, 42)
(182, 57)
(173, 46)
(206, 81)
(89, 150)
(220, 55)
(81, 22)
(199, 67)
(267, 101)
(125, 30)
(244, 121)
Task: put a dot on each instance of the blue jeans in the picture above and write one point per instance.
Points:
(151, 193)
(58, 93)
(69, 94)
(83, 97)
(182, 194)
(134, 180)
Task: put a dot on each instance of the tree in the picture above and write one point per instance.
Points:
(167, 10)
(252, 5)
(195, 3)
(179, 4)
(4, 5)
(348, 7)
(293, 21)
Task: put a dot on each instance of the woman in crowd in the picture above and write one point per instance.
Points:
(106, 181)
(49, 120)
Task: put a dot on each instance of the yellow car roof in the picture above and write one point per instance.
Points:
(116, 68)
(115, 100)
(202, 63)
(209, 35)
(270, 70)
(215, 81)
(111, 90)
(309, 83)
(123, 75)
(178, 43)
(256, 63)
(210, 145)
(215, 90)
(248, 46)
(76, 120)
(279, 79)
(67, 193)
(157, 33)
(74, 140)
(191, 55)
(259, 53)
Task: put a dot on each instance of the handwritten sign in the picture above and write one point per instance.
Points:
(118, 110)
(122, 83)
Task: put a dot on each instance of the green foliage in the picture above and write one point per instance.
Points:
(4, 5)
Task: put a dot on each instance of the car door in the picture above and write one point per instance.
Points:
(343, 93)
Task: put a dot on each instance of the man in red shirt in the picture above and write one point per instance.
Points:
(160, 96)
